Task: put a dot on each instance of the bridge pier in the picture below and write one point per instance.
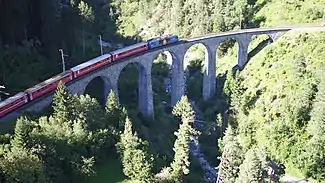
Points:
(145, 94)
(209, 78)
(178, 81)
(243, 43)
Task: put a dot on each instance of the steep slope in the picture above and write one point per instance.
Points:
(281, 84)
(290, 12)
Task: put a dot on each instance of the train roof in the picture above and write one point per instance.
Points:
(168, 35)
(11, 99)
(48, 81)
(90, 62)
(163, 36)
(154, 38)
(129, 48)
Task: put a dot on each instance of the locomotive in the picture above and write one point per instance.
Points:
(49, 85)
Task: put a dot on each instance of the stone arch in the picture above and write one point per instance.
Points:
(196, 60)
(258, 43)
(276, 35)
(162, 84)
(166, 57)
(98, 87)
(227, 55)
(134, 86)
(177, 73)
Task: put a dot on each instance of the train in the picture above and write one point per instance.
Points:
(41, 89)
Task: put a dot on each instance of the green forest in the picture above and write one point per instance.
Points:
(270, 114)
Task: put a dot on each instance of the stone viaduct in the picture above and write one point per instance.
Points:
(110, 74)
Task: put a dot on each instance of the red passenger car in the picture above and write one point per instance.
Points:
(91, 65)
(48, 85)
(129, 51)
(13, 103)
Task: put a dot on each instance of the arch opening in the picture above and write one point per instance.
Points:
(258, 43)
(161, 73)
(133, 86)
(194, 61)
(227, 56)
(96, 89)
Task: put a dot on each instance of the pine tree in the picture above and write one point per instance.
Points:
(181, 163)
(177, 16)
(236, 94)
(22, 129)
(232, 157)
(137, 164)
(253, 167)
(63, 104)
(87, 16)
(122, 118)
(218, 16)
(112, 109)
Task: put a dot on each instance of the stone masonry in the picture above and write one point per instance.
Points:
(110, 74)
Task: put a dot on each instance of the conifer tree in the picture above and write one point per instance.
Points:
(219, 24)
(22, 129)
(137, 164)
(122, 118)
(112, 109)
(63, 104)
(87, 17)
(233, 88)
(253, 167)
(232, 156)
(181, 163)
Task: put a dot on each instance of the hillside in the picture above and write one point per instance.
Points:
(295, 12)
(33, 34)
(273, 110)
(189, 18)
(280, 103)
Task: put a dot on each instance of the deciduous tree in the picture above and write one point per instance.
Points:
(21, 165)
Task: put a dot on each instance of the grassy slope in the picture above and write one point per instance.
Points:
(309, 12)
(273, 69)
(291, 12)
(276, 72)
